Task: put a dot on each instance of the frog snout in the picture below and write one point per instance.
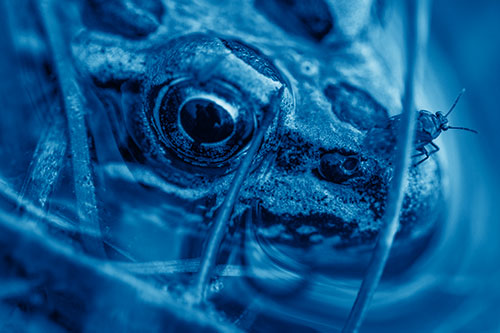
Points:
(337, 167)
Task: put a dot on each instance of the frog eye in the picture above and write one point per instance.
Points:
(205, 123)
(198, 104)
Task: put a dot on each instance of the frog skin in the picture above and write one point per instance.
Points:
(308, 212)
(338, 86)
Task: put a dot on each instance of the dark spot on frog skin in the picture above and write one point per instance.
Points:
(355, 106)
(292, 159)
(374, 192)
(311, 18)
(129, 18)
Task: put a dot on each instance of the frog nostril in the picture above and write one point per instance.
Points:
(338, 168)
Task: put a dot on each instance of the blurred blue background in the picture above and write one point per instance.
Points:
(468, 38)
(468, 33)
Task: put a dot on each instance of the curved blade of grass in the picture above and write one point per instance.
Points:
(416, 12)
(47, 162)
(224, 212)
(73, 102)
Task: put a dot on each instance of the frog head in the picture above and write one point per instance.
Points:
(184, 102)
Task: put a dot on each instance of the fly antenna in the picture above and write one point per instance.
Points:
(463, 128)
(456, 101)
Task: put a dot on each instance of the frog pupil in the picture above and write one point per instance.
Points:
(205, 121)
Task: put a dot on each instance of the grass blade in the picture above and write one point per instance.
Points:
(224, 212)
(73, 102)
(416, 11)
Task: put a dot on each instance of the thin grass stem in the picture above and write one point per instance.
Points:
(73, 103)
(224, 212)
(416, 12)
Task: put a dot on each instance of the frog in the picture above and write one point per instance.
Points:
(313, 183)
(175, 93)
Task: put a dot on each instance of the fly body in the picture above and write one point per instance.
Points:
(428, 128)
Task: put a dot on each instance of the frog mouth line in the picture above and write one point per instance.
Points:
(326, 240)
(304, 230)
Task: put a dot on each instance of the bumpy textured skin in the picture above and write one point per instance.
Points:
(340, 95)
(342, 79)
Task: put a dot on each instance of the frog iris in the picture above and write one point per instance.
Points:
(203, 123)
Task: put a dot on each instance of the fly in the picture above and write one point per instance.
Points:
(428, 128)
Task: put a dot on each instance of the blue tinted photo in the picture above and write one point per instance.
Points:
(249, 166)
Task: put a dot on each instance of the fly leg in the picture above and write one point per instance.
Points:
(420, 153)
(423, 151)
(435, 148)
